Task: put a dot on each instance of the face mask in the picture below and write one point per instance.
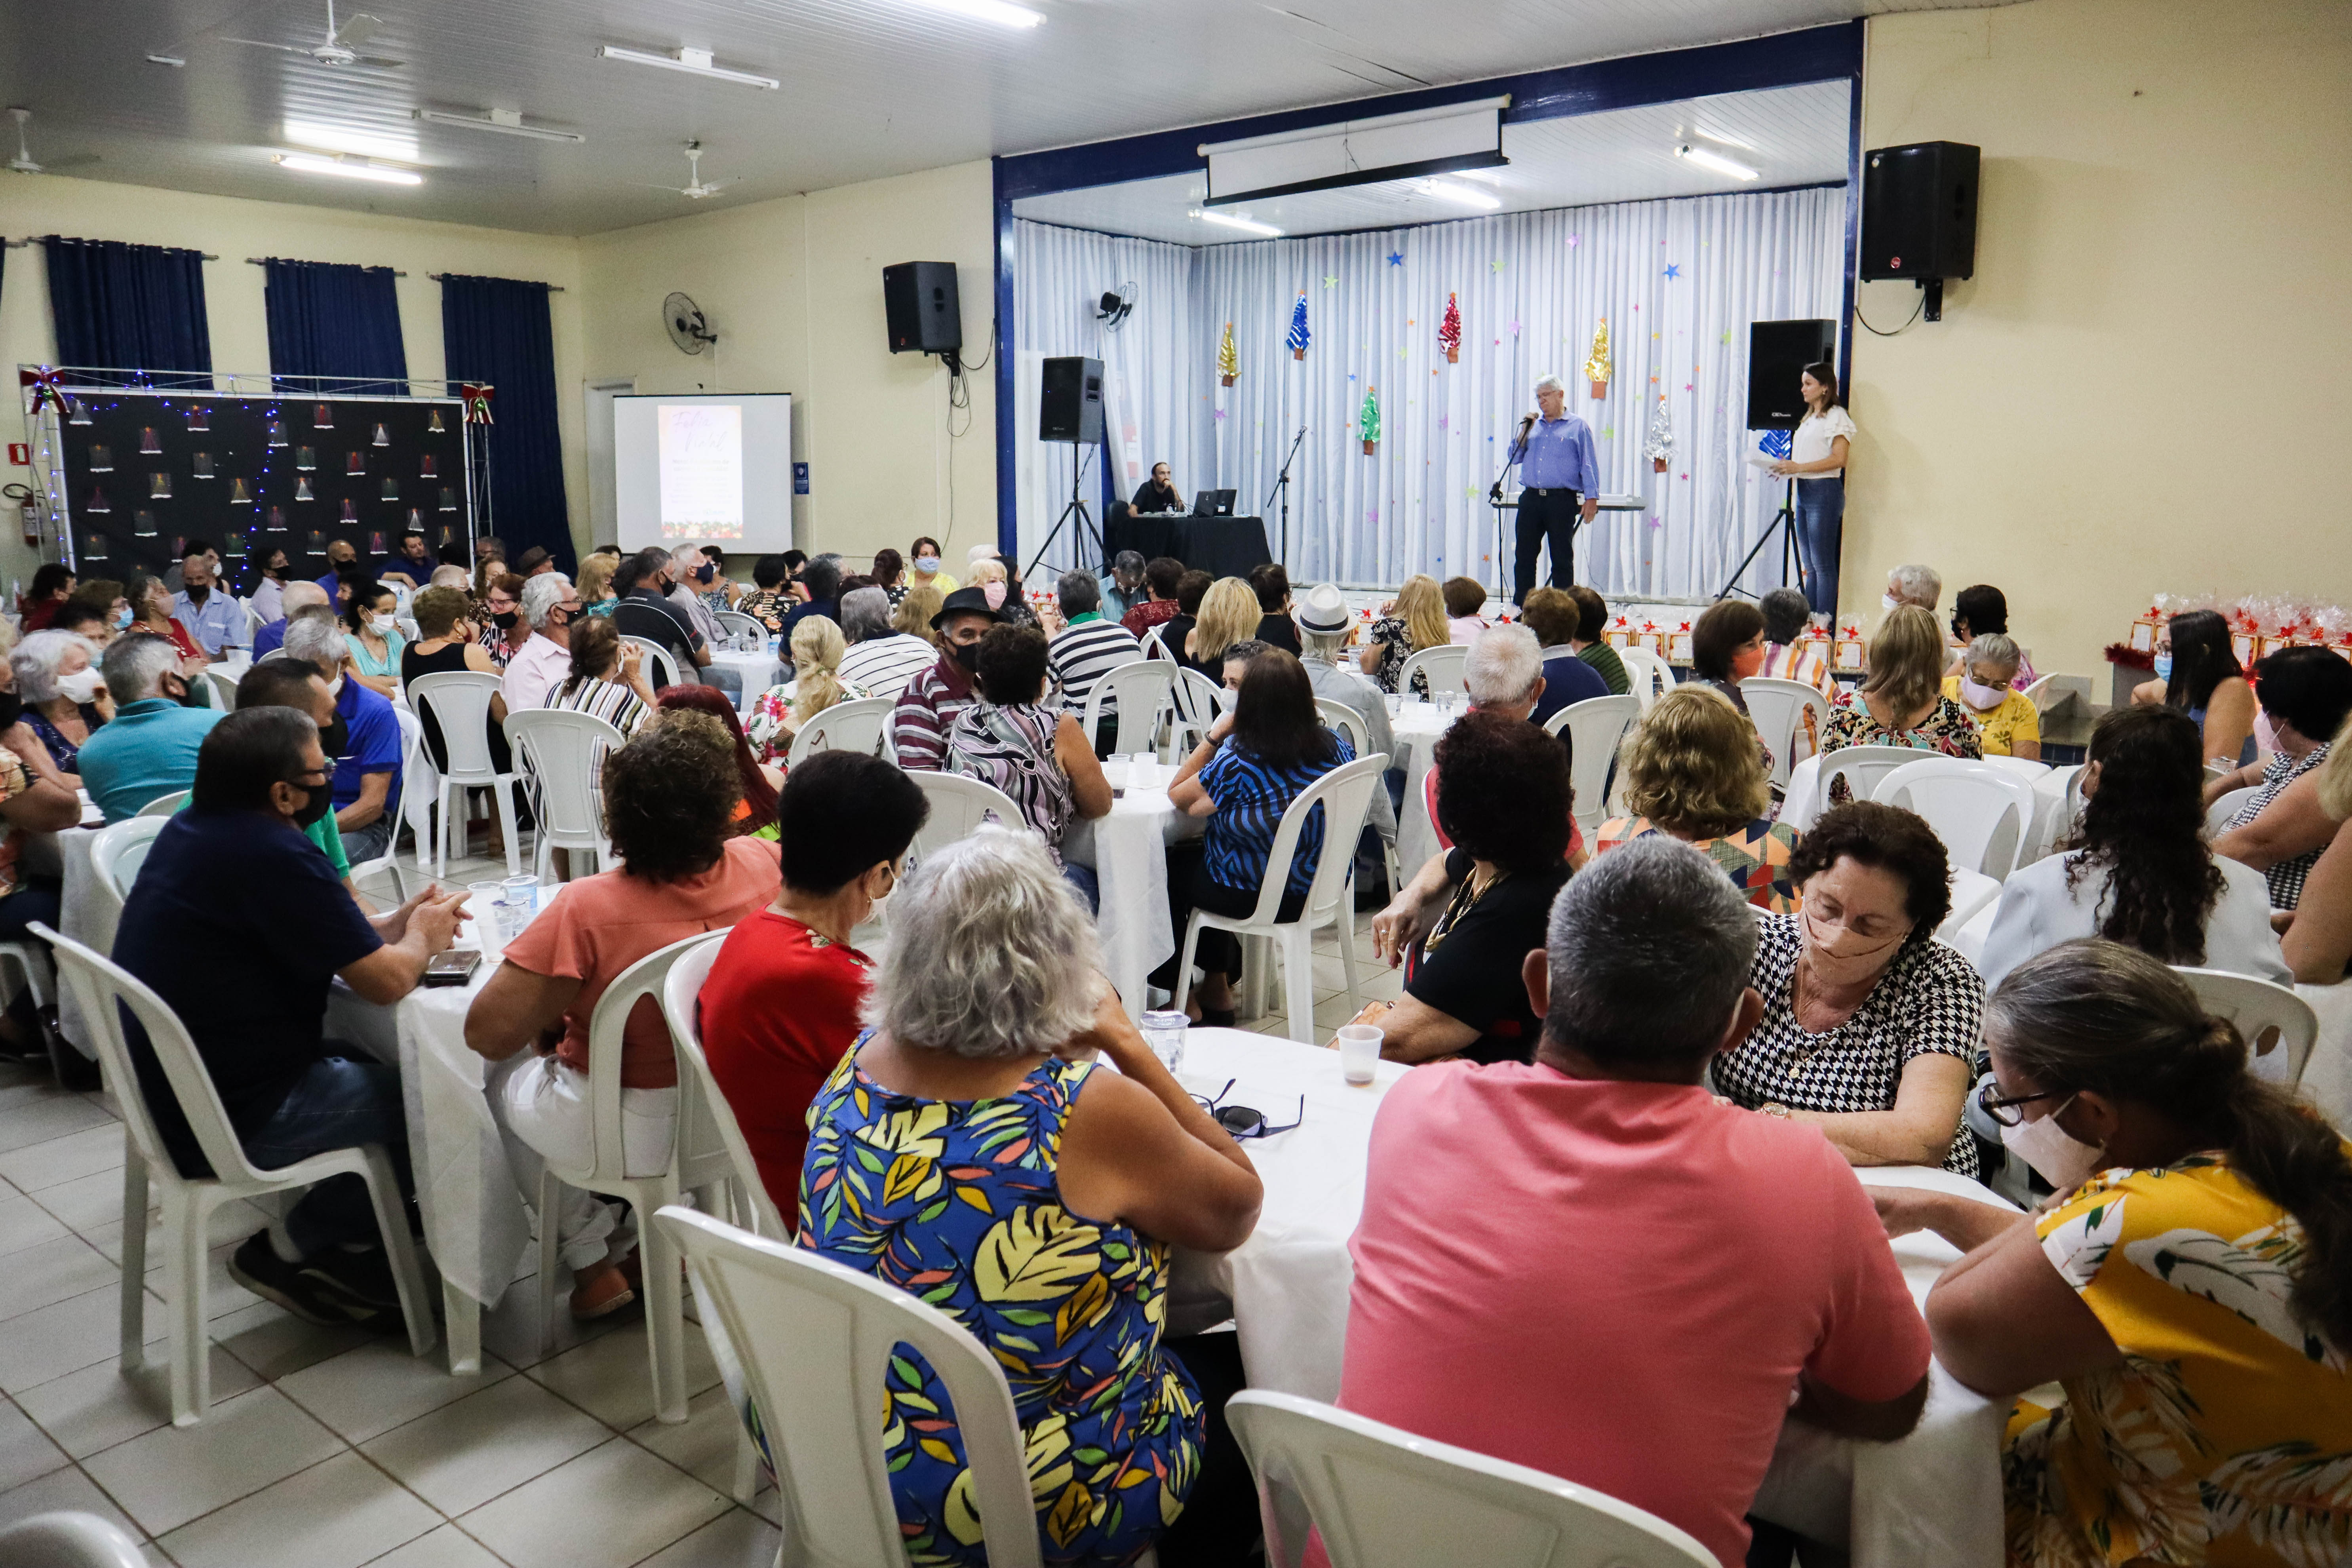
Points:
(966, 654)
(926, 564)
(504, 620)
(81, 686)
(183, 697)
(334, 737)
(315, 803)
(1889, 603)
(1227, 699)
(995, 594)
(2265, 733)
(706, 573)
(335, 688)
(1744, 665)
(1981, 697)
(1842, 957)
(122, 619)
(2164, 667)
(379, 624)
(2062, 1160)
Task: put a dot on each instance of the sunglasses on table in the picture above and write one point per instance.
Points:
(2002, 1108)
(1241, 1120)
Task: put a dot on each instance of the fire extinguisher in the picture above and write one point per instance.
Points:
(29, 504)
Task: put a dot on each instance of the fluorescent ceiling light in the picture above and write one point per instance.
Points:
(1484, 176)
(400, 147)
(175, 62)
(507, 121)
(1716, 161)
(694, 62)
(1001, 12)
(350, 168)
(1235, 220)
(1460, 194)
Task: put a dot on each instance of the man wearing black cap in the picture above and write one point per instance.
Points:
(919, 725)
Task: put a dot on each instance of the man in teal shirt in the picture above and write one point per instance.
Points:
(148, 749)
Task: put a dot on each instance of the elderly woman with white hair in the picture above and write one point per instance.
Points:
(976, 1083)
(64, 696)
(2008, 723)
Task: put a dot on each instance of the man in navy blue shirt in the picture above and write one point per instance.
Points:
(1561, 484)
(240, 926)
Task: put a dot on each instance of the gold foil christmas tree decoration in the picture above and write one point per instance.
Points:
(1596, 367)
(1229, 359)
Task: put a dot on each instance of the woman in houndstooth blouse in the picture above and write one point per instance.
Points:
(1870, 1026)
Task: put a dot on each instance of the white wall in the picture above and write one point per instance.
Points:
(233, 230)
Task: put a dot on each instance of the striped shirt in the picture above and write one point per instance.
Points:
(1012, 749)
(1081, 656)
(1251, 798)
(919, 725)
(881, 667)
(608, 700)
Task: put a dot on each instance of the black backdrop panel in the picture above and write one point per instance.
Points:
(146, 471)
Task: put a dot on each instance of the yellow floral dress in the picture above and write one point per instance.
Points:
(2226, 1436)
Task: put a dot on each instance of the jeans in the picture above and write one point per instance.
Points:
(1087, 883)
(1550, 515)
(336, 1104)
(364, 844)
(1821, 527)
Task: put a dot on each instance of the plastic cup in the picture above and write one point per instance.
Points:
(1359, 1051)
(519, 902)
(1142, 770)
(1164, 1033)
(486, 904)
(1395, 701)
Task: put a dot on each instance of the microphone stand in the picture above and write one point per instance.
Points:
(1282, 487)
(1511, 454)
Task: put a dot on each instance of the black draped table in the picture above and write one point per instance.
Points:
(1221, 546)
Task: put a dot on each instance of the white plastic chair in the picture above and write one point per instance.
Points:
(1196, 708)
(960, 805)
(1973, 892)
(1346, 795)
(2258, 1006)
(1382, 1497)
(115, 856)
(1138, 691)
(565, 750)
(1862, 767)
(660, 669)
(414, 768)
(742, 630)
(2221, 810)
(1342, 719)
(166, 804)
(1777, 710)
(695, 1163)
(68, 1540)
(1442, 665)
(1595, 727)
(223, 687)
(98, 985)
(32, 965)
(1967, 804)
(459, 701)
(817, 1337)
(1155, 646)
(855, 725)
(1650, 674)
(2036, 691)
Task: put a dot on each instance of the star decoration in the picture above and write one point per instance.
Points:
(1396, 258)
(1497, 265)
(1657, 522)
(1221, 414)
(1574, 240)
(1442, 422)
(1400, 353)
(1686, 476)
(1514, 327)
(1330, 280)
(1686, 387)
(1726, 337)
(1673, 269)
(1609, 432)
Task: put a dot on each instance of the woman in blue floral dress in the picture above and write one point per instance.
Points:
(967, 1152)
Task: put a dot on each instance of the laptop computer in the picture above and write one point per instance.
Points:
(1213, 503)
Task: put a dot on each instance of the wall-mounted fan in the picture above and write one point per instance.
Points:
(683, 319)
(1112, 310)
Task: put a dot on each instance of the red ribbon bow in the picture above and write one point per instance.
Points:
(1685, 625)
(477, 397)
(43, 382)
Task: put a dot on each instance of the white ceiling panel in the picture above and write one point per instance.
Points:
(1790, 136)
(870, 88)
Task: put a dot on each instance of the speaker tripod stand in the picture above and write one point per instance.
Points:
(1086, 522)
(1784, 523)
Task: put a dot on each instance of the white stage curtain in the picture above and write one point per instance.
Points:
(1530, 287)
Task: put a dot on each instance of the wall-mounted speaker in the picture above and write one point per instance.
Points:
(1778, 354)
(1919, 211)
(1069, 406)
(920, 308)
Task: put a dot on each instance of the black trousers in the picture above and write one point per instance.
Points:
(1545, 515)
(1189, 887)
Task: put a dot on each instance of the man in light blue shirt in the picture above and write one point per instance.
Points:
(211, 614)
(1122, 586)
(1560, 480)
(148, 750)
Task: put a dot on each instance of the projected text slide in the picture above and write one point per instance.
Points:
(701, 465)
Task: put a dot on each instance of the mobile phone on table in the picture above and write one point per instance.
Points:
(455, 967)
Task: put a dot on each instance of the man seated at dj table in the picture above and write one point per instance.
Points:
(1158, 493)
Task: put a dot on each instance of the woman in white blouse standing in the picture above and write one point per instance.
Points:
(1816, 461)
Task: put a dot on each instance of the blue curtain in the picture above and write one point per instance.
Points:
(331, 320)
(496, 330)
(130, 307)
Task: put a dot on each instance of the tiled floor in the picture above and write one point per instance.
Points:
(327, 1449)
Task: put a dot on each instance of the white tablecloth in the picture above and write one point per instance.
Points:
(1933, 1498)
(1416, 727)
(1127, 850)
(758, 672)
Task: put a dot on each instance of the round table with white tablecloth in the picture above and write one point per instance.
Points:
(1933, 1497)
(757, 670)
(1127, 850)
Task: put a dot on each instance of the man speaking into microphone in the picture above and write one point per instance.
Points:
(1560, 481)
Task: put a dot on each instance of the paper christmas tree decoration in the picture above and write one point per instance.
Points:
(1449, 331)
(1229, 358)
(1659, 448)
(1596, 367)
(1368, 423)
(1297, 336)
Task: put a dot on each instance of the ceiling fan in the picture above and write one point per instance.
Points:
(340, 46)
(23, 162)
(695, 189)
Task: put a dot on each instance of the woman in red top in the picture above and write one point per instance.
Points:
(151, 611)
(783, 997)
(53, 585)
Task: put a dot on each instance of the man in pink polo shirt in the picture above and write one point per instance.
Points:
(1586, 1264)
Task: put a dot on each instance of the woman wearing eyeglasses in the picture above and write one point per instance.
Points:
(2190, 1287)
(966, 1150)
